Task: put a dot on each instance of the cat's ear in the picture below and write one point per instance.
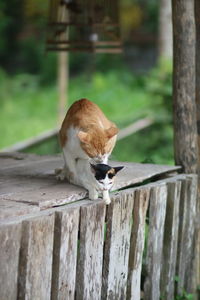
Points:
(117, 169)
(110, 132)
(83, 137)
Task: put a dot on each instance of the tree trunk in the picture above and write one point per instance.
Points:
(185, 128)
(197, 23)
(165, 29)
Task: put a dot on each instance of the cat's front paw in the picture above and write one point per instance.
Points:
(93, 195)
(61, 174)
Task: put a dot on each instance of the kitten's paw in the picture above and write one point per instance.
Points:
(93, 195)
(107, 201)
(106, 197)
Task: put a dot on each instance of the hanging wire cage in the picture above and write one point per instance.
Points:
(84, 25)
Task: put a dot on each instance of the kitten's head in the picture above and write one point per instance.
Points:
(104, 175)
(98, 143)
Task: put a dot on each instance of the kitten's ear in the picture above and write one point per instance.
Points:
(83, 137)
(110, 132)
(117, 169)
(93, 168)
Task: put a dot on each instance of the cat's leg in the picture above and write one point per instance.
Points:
(93, 194)
(70, 164)
(106, 197)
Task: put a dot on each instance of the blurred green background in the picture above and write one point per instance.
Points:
(127, 86)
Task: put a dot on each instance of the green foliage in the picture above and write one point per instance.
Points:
(183, 295)
(30, 106)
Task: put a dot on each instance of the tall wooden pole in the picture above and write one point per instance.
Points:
(197, 23)
(185, 128)
(184, 100)
(165, 29)
(63, 78)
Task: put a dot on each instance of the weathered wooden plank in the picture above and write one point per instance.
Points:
(10, 237)
(170, 240)
(65, 254)
(157, 210)
(32, 179)
(54, 195)
(10, 209)
(35, 264)
(137, 243)
(184, 270)
(90, 255)
(117, 244)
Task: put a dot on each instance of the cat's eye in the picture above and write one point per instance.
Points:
(100, 181)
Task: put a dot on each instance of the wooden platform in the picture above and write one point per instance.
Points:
(28, 183)
(57, 244)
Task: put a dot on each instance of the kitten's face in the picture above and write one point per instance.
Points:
(104, 175)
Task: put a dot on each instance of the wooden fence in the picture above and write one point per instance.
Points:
(140, 246)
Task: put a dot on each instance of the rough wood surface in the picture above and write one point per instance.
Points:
(197, 234)
(185, 267)
(10, 237)
(35, 263)
(157, 212)
(9, 209)
(170, 240)
(117, 244)
(65, 254)
(30, 179)
(185, 127)
(90, 254)
(141, 201)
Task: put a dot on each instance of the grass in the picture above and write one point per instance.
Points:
(28, 108)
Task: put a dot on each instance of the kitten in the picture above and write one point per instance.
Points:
(96, 179)
(85, 133)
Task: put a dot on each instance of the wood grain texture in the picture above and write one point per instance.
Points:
(10, 238)
(197, 232)
(65, 254)
(185, 264)
(141, 202)
(117, 245)
(168, 270)
(35, 264)
(157, 211)
(90, 254)
(185, 127)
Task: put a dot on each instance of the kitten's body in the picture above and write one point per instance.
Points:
(85, 134)
(97, 179)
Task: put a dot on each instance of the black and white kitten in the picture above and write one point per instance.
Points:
(97, 179)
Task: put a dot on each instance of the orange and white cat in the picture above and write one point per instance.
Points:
(86, 134)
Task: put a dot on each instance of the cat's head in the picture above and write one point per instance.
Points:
(98, 143)
(104, 175)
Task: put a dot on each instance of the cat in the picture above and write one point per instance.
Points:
(96, 179)
(86, 134)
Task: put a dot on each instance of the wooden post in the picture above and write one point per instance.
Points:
(185, 128)
(186, 94)
(165, 29)
(63, 71)
(197, 23)
(63, 76)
